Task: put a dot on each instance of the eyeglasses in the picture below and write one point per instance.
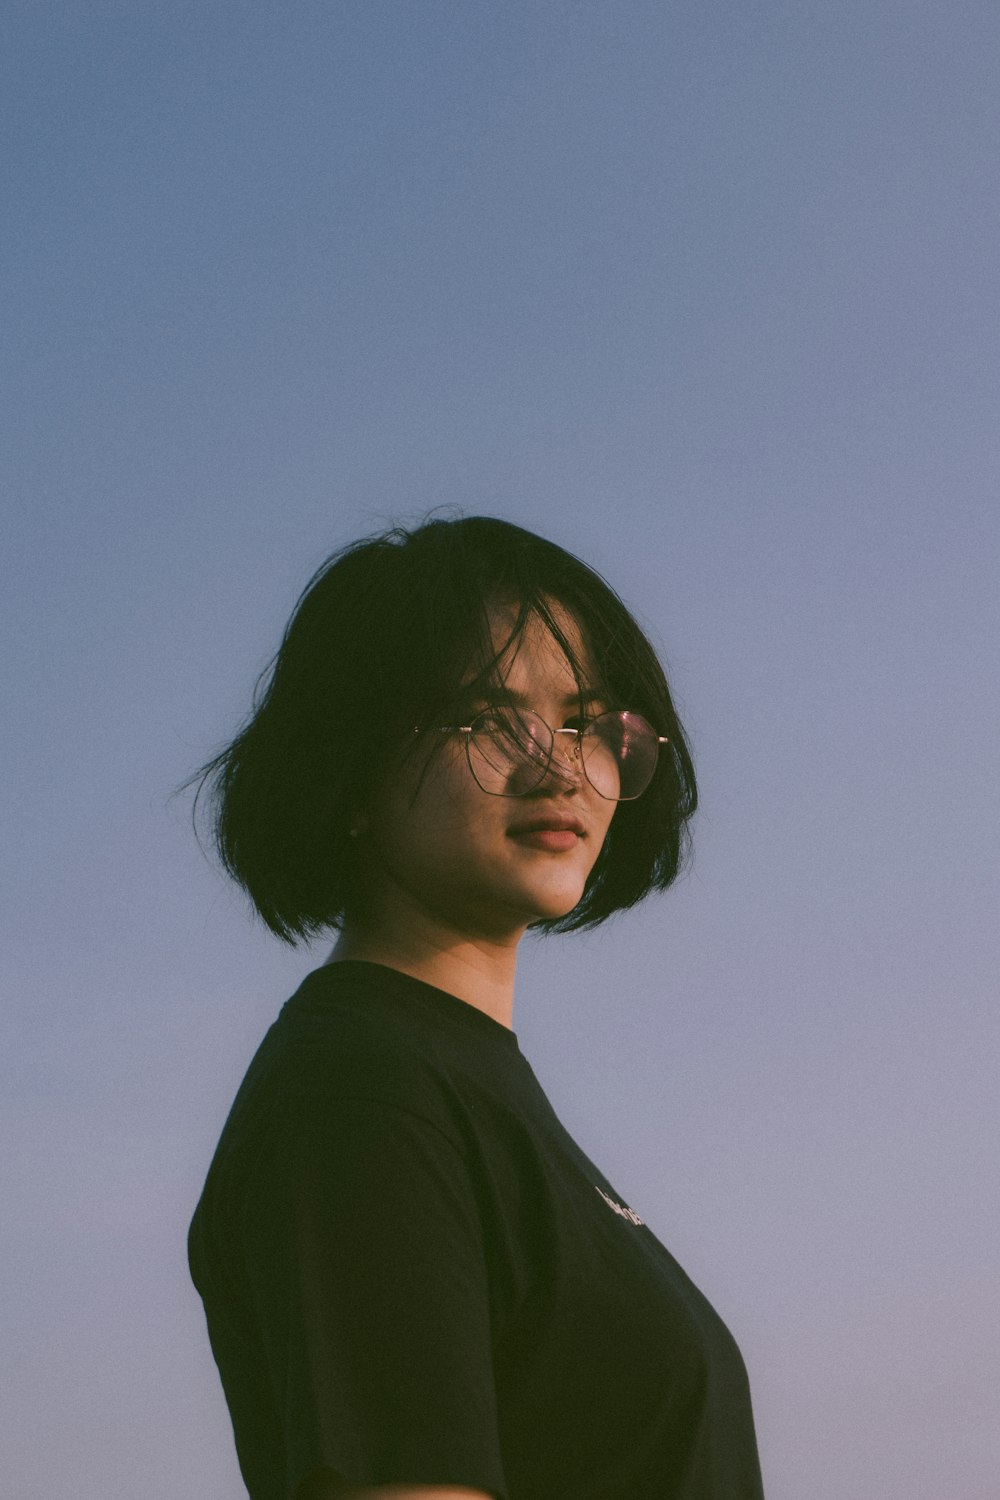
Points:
(510, 752)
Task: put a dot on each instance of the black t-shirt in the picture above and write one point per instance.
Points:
(413, 1275)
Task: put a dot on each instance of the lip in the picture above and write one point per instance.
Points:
(555, 840)
(549, 824)
(549, 831)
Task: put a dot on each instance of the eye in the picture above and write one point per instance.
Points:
(580, 721)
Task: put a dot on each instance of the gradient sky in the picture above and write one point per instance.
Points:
(708, 293)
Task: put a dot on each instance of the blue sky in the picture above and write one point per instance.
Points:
(708, 294)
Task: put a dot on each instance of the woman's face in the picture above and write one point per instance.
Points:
(466, 859)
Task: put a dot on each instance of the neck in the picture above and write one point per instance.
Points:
(477, 970)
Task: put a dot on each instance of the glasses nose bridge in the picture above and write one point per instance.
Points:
(570, 738)
(565, 754)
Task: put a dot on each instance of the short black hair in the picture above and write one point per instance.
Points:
(382, 640)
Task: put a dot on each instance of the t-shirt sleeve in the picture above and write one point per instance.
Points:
(365, 1263)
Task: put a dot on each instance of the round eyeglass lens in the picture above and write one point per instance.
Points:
(619, 755)
(511, 751)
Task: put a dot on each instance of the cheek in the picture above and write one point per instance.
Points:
(600, 835)
(451, 807)
(606, 816)
(442, 822)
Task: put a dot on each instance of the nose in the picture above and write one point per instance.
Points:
(566, 761)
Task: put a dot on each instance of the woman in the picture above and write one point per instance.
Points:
(415, 1282)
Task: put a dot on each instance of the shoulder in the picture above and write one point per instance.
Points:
(338, 1047)
(346, 1035)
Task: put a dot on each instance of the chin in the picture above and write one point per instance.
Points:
(550, 905)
